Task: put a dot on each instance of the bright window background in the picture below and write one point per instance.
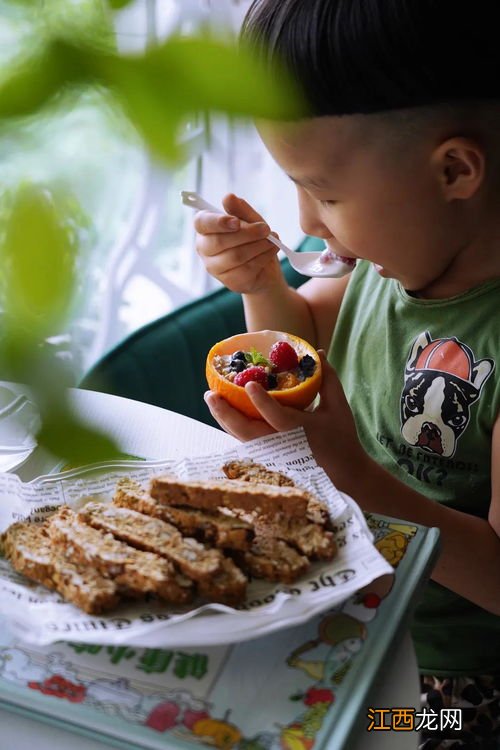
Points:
(134, 231)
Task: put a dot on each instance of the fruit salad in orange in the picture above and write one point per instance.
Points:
(286, 366)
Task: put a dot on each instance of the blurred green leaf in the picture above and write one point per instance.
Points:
(18, 352)
(63, 435)
(118, 4)
(185, 75)
(32, 80)
(157, 89)
(25, 359)
(209, 74)
(38, 259)
(154, 113)
(31, 4)
(72, 48)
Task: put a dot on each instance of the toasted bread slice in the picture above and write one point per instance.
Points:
(134, 571)
(214, 528)
(154, 535)
(265, 500)
(31, 552)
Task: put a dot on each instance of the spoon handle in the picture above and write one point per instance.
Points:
(193, 200)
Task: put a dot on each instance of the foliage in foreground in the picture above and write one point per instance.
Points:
(39, 254)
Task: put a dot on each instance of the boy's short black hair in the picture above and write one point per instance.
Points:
(366, 56)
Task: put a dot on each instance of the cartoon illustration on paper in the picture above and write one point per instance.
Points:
(343, 634)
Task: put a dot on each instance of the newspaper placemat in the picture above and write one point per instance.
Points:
(40, 616)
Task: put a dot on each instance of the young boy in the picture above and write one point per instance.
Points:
(397, 166)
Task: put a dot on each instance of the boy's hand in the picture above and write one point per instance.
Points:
(234, 248)
(330, 429)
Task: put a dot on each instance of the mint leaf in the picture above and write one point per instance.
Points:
(255, 357)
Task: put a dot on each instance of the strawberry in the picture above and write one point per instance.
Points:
(256, 373)
(283, 356)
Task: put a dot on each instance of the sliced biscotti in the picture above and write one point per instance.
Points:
(265, 500)
(31, 552)
(273, 560)
(249, 471)
(210, 527)
(177, 539)
(154, 535)
(134, 571)
(310, 539)
(27, 546)
(228, 586)
(223, 582)
(213, 528)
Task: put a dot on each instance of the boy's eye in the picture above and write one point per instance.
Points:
(328, 203)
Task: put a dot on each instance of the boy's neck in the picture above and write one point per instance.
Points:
(475, 264)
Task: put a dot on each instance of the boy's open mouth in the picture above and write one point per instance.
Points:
(328, 256)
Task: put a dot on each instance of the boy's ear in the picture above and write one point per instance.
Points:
(459, 164)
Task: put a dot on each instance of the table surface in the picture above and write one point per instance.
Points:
(170, 435)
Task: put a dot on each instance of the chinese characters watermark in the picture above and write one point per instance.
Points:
(409, 719)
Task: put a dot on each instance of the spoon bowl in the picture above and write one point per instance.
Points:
(315, 264)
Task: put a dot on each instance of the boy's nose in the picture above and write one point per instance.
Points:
(309, 218)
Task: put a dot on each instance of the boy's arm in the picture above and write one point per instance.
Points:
(494, 514)
(235, 250)
(309, 312)
(469, 563)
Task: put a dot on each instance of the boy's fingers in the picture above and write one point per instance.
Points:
(244, 259)
(233, 421)
(208, 222)
(239, 207)
(220, 250)
(281, 418)
(209, 225)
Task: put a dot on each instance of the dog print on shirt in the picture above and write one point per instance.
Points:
(442, 380)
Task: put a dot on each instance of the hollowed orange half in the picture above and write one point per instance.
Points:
(300, 396)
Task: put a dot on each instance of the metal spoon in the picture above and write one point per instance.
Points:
(324, 264)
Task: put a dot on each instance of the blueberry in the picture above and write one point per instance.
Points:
(307, 365)
(272, 381)
(237, 365)
(239, 355)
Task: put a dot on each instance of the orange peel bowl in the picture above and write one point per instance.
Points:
(299, 396)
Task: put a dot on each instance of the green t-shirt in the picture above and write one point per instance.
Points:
(422, 379)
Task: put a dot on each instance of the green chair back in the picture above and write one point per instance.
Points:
(163, 363)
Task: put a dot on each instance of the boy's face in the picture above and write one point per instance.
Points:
(368, 195)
